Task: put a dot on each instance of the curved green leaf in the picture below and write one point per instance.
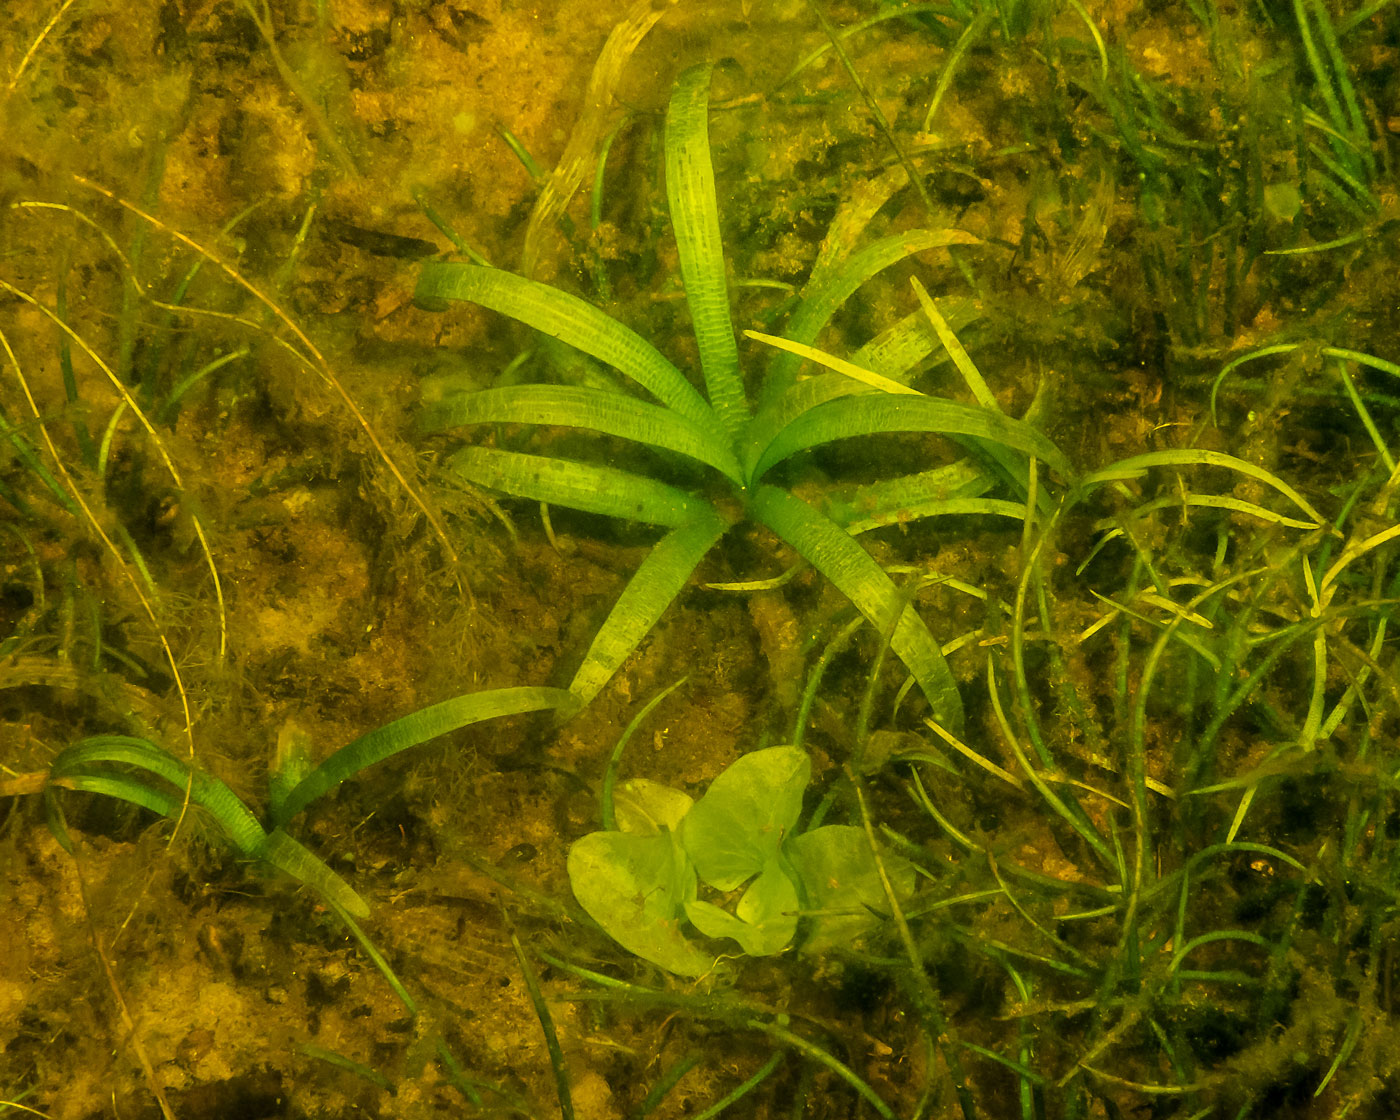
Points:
(124, 787)
(411, 730)
(581, 486)
(939, 507)
(875, 413)
(294, 859)
(82, 766)
(644, 600)
(690, 195)
(822, 300)
(799, 399)
(834, 553)
(237, 821)
(859, 508)
(568, 319)
(1138, 465)
(596, 410)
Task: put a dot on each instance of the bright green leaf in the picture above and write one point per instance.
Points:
(736, 829)
(765, 919)
(635, 888)
(843, 884)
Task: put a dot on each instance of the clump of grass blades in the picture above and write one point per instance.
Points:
(1206, 755)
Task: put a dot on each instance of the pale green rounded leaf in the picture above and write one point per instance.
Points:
(644, 807)
(843, 884)
(635, 888)
(765, 919)
(739, 825)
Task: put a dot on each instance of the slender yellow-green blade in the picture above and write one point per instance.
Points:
(866, 377)
(821, 300)
(1138, 465)
(971, 374)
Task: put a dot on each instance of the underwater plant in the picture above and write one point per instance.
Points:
(143, 773)
(639, 880)
(738, 438)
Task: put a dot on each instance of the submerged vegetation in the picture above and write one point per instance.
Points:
(998, 616)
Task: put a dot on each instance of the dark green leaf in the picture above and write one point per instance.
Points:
(834, 553)
(570, 406)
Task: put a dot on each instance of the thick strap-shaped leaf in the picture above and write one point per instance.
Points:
(581, 486)
(597, 410)
(295, 859)
(874, 413)
(569, 319)
(822, 300)
(124, 788)
(834, 553)
(412, 730)
(690, 195)
(644, 600)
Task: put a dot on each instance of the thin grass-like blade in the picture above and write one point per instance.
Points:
(943, 507)
(874, 413)
(569, 319)
(581, 486)
(972, 376)
(644, 600)
(690, 195)
(413, 730)
(857, 373)
(834, 553)
(27, 455)
(900, 350)
(1138, 465)
(597, 410)
(822, 300)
